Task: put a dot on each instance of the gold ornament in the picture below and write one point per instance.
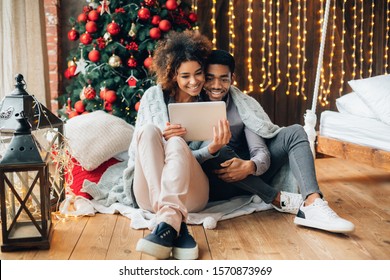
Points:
(115, 61)
(133, 30)
(71, 63)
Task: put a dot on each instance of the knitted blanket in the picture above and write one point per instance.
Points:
(153, 110)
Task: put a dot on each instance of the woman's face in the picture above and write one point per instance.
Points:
(190, 79)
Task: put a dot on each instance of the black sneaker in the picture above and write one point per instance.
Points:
(159, 242)
(184, 246)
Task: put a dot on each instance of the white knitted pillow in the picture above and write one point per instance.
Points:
(96, 137)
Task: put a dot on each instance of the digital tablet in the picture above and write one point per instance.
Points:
(198, 118)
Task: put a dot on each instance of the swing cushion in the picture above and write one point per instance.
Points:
(375, 92)
(351, 103)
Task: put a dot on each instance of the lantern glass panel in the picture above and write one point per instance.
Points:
(23, 202)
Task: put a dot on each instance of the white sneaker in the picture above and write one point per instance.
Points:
(320, 215)
(289, 202)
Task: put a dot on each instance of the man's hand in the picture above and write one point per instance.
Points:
(235, 169)
(173, 130)
(222, 136)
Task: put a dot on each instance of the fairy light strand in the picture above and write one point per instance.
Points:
(386, 57)
(231, 27)
(249, 59)
(332, 42)
(354, 40)
(304, 58)
(341, 88)
(213, 24)
(361, 58)
(371, 52)
(298, 61)
(263, 74)
(322, 81)
(289, 54)
(277, 51)
(270, 44)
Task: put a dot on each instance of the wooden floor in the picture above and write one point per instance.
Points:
(357, 192)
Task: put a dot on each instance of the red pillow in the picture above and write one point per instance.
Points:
(80, 174)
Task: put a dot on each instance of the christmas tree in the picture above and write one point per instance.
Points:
(109, 68)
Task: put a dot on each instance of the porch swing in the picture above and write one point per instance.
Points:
(328, 144)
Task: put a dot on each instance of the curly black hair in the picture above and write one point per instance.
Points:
(173, 50)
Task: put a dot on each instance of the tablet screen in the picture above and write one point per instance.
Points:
(198, 118)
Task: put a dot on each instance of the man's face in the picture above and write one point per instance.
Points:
(218, 81)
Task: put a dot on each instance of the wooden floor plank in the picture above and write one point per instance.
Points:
(124, 240)
(96, 238)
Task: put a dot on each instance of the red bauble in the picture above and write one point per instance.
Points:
(150, 3)
(165, 25)
(73, 35)
(193, 17)
(91, 27)
(171, 5)
(93, 15)
(82, 17)
(67, 74)
(108, 106)
(90, 93)
(156, 20)
(132, 62)
(72, 70)
(94, 55)
(79, 106)
(143, 14)
(72, 114)
(155, 33)
(136, 106)
(113, 28)
(110, 96)
(86, 38)
(148, 62)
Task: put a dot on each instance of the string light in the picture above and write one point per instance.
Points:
(332, 42)
(289, 54)
(304, 59)
(249, 60)
(371, 37)
(263, 74)
(231, 26)
(321, 87)
(342, 50)
(213, 23)
(277, 51)
(194, 8)
(354, 40)
(270, 39)
(387, 37)
(361, 38)
(297, 65)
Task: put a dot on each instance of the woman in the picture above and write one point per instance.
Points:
(168, 180)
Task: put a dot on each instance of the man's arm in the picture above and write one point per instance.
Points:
(259, 152)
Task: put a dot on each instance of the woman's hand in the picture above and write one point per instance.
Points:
(173, 130)
(222, 136)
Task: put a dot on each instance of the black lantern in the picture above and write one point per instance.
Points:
(24, 193)
(43, 123)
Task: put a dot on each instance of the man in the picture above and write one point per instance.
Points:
(257, 151)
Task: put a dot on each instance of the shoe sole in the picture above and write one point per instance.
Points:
(306, 223)
(185, 253)
(153, 249)
(286, 211)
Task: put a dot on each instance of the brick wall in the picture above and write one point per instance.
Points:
(52, 36)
